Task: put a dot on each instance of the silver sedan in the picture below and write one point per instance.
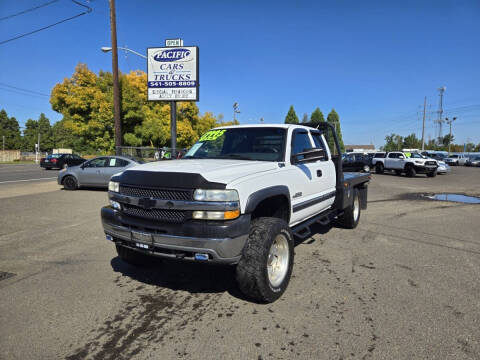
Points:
(95, 172)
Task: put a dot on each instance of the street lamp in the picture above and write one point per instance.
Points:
(236, 110)
(106, 49)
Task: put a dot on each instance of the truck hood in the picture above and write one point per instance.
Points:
(214, 170)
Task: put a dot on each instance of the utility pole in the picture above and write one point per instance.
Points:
(440, 112)
(423, 125)
(116, 85)
(449, 122)
(3, 147)
(173, 129)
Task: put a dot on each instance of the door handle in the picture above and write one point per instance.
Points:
(319, 173)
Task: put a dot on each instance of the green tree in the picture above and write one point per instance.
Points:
(9, 129)
(334, 119)
(291, 117)
(34, 128)
(393, 142)
(317, 116)
(412, 142)
(304, 118)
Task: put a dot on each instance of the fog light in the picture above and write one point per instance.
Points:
(116, 205)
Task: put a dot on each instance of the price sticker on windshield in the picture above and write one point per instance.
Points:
(212, 135)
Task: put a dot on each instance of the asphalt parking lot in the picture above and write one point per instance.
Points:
(404, 285)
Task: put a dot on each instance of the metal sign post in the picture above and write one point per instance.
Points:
(173, 76)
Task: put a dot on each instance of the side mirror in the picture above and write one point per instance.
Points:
(401, 157)
(310, 155)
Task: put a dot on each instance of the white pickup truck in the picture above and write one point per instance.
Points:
(237, 197)
(405, 162)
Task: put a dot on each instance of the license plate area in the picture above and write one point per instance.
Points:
(142, 240)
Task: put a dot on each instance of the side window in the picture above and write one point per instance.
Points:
(96, 163)
(114, 162)
(393, 156)
(301, 142)
(319, 144)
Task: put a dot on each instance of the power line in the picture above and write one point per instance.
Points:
(21, 93)
(28, 10)
(25, 90)
(89, 10)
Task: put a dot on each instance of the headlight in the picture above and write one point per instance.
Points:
(216, 215)
(113, 186)
(215, 195)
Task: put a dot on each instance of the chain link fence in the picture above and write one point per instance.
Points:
(148, 153)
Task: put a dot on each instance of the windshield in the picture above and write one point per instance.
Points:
(454, 156)
(259, 143)
(414, 155)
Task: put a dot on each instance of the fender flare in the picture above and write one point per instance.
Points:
(258, 196)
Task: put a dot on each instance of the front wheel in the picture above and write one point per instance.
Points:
(432, 173)
(70, 183)
(379, 169)
(411, 171)
(264, 270)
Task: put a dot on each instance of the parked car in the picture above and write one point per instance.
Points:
(475, 161)
(355, 162)
(443, 167)
(406, 162)
(456, 159)
(96, 172)
(59, 161)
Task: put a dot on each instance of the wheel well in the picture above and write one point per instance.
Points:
(276, 206)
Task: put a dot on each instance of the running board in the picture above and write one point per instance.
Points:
(303, 231)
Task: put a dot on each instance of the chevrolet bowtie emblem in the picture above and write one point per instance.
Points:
(146, 203)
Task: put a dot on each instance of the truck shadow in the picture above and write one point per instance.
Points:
(194, 277)
(186, 276)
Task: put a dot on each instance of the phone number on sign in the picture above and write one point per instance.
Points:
(159, 84)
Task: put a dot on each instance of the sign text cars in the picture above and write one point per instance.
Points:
(173, 73)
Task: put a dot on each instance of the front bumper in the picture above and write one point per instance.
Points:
(425, 169)
(216, 242)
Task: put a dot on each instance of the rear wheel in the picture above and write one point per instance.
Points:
(411, 171)
(379, 169)
(351, 216)
(70, 183)
(133, 257)
(264, 270)
(48, 168)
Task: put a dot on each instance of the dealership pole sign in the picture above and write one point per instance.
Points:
(173, 73)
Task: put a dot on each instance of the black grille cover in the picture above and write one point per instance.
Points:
(164, 194)
(169, 216)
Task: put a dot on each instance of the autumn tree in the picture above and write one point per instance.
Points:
(291, 117)
(86, 102)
